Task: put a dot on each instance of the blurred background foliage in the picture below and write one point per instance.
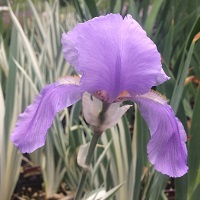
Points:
(31, 57)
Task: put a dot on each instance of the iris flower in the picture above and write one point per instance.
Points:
(116, 62)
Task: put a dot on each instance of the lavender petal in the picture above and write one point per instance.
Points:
(166, 148)
(113, 54)
(31, 128)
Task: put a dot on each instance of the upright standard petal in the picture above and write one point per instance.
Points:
(141, 61)
(113, 54)
(31, 128)
(162, 77)
(167, 148)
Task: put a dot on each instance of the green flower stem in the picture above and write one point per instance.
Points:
(97, 134)
(87, 163)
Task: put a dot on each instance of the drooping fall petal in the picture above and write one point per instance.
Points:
(31, 128)
(166, 148)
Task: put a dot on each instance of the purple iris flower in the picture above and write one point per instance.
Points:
(116, 62)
